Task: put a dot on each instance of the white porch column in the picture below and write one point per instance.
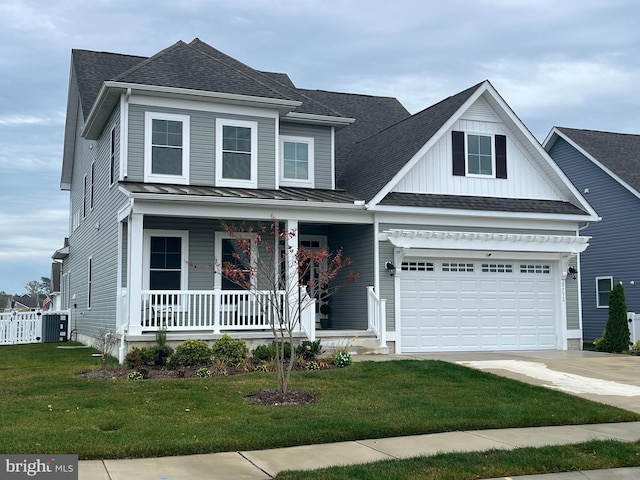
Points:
(293, 282)
(136, 255)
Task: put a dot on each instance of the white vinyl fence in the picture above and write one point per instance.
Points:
(20, 327)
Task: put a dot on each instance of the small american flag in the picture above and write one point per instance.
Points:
(46, 303)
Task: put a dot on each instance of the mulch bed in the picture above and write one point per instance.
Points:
(266, 396)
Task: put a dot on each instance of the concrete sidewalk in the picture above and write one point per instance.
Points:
(265, 464)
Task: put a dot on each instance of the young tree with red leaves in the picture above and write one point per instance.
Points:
(265, 260)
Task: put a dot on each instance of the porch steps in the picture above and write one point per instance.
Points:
(358, 342)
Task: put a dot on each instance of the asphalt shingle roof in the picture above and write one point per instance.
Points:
(381, 156)
(495, 204)
(619, 152)
(372, 115)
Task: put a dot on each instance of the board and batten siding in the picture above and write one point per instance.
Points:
(323, 174)
(349, 304)
(202, 144)
(95, 235)
(613, 239)
(433, 173)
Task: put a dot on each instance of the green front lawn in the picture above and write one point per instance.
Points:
(593, 455)
(46, 408)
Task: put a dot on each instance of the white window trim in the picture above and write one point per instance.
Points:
(84, 196)
(186, 137)
(610, 278)
(293, 182)
(92, 186)
(113, 178)
(232, 182)
(146, 261)
(219, 236)
(493, 154)
(90, 271)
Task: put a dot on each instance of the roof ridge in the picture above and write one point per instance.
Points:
(368, 95)
(597, 131)
(102, 52)
(260, 74)
(149, 60)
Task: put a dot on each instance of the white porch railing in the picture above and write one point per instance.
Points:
(376, 308)
(212, 310)
(20, 327)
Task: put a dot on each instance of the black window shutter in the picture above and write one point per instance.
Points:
(501, 156)
(457, 143)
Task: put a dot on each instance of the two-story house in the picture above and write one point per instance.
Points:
(461, 226)
(604, 166)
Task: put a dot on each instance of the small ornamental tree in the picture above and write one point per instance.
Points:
(616, 336)
(264, 261)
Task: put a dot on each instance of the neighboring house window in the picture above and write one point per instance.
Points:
(297, 161)
(84, 197)
(89, 282)
(227, 251)
(166, 148)
(236, 153)
(112, 158)
(479, 155)
(92, 192)
(604, 285)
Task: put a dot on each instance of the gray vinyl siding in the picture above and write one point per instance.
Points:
(322, 150)
(387, 291)
(349, 305)
(573, 300)
(96, 235)
(202, 145)
(613, 240)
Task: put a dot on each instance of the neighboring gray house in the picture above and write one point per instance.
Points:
(461, 226)
(605, 167)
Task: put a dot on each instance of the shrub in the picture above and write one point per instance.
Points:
(203, 372)
(616, 334)
(229, 350)
(139, 357)
(342, 359)
(309, 350)
(162, 351)
(135, 375)
(268, 352)
(313, 365)
(191, 353)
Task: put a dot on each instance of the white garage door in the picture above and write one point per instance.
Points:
(458, 305)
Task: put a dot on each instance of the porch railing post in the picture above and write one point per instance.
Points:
(217, 300)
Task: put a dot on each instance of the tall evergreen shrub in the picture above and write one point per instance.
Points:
(616, 334)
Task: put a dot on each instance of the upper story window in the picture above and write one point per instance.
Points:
(604, 285)
(112, 157)
(236, 153)
(297, 161)
(166, 148)
(478, 155)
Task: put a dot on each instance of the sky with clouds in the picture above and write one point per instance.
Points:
(572, 63)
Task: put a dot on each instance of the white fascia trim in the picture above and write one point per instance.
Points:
(582, 151)
(427, 146)
(318, 119)
(487, 242)
(276, 103)
(480, 213)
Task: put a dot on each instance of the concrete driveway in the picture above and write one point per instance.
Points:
(602, 377)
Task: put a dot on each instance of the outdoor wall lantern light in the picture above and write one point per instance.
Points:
(391, 268)
(573, 272)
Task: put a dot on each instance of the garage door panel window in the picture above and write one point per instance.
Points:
(497, 268)
(418, 266)
(604, 285)
(533, 268)
(457, 267)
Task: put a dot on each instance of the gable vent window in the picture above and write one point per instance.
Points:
(417, 266)
(532, 268)
(457, 267)
(497, 268)
(479, 155)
